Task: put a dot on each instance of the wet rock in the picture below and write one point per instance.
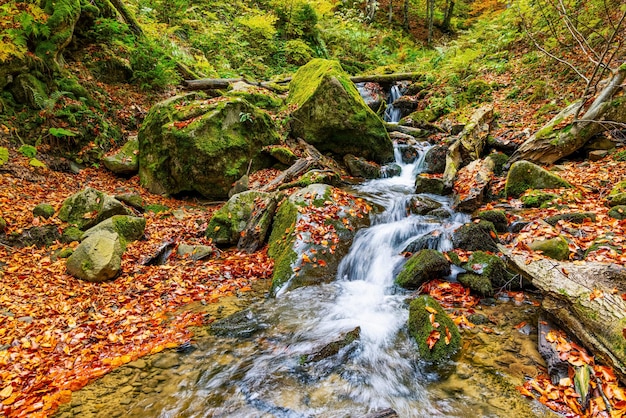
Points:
(524, 175)
(517, 226)
(421, 328)
(479, 236)
(476, 282)
(575, 218)
(359, 167)
(96, 259)
(488, 266)
(478, 319)
(125, 161)
(138, 364)
(166, 361)
(239, 186)
(334, 347)
(477, 174)
(43, 210)
(390, 170)
(194, 252)
(435, 159)
(301, 261)
(423, 266)
(556, 248)
(496, 217)
(422, 205)
(427, 241)
(242, 324)
(431, 185)
(538, 198)
(343, 125)
(90, 207)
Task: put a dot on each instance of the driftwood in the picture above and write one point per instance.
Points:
(469, 145)
(298, 168)
(585, 299)
(563, 135)
(254, 234)
(223, 83)
(161, 255)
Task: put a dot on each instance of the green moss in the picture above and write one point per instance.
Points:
(420, 328)
(499, 160)
(44, 210)
(556, 248)
(489, 266)
(4, 155)
(3, 224)
(156, 208)
(71, 234)
(618, 212)
(65, 253)
(476, 282)
(537, 198)
(281, 243)
(496, 217)
(423, 266)
(575, 218)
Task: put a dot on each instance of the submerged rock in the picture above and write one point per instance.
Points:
(242, 324)
(524, 175)
(312, 231)
(333, 348)
(192, 144)
(332, 116)
(422, 267)
(445, 337)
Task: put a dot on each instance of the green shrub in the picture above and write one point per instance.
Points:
(298, 52)
(152, 66)
(28, 151)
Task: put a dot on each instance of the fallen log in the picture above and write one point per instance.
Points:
(254, 234)
(223, 83)
(298, 168)
(586, 299)
(407, 130)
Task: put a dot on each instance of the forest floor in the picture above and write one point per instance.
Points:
(58, 333)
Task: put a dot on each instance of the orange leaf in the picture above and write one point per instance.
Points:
(431, 310)
(432, 339)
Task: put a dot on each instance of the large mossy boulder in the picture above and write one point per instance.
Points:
(331, 115)
(496, 217)
(124, 162)
(524, 175)
(89, 207)
(437, 339)
(226, 224)
(97, 259)
(193, 144)
(423, 266)
(312, 232)
(128, 228)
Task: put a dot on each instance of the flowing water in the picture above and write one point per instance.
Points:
(275, 372)
(393, 114)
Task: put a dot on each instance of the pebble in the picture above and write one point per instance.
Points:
(138, 364)
(126, 389)
(167, 361)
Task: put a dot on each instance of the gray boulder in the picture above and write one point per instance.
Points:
(128, 228)
(90, 207)
(524, 175)
(97, 259)
(124, 162)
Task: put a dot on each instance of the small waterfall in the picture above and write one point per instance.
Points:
(393, 114)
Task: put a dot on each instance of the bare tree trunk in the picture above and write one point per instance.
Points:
(430, 17)
(448, 16)
(130, 20)
(553, 141)
(405, 22)
(390, 11)
(370, 9)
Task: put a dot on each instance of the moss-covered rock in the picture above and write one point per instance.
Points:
(496, 217)
(432, 185)
(125, 162)
(422, 205)
(332, 116)
(257, 96)
(359, 167)
(538, 199)
(488, 266)
(40, 236)
(71, 234)
(191, 144)
(90, 207)
(499, 160)
(604, 242)
(133, 200)
(315, 177)
(421, 329)
(281, 153)
(617, 199)
(556, 248)
(43, 210)
(195, 252)
(435, 159)
(426, 241)
(98, 258)
(574, 217)
(479, 236)
(524, 175)
(616, 212)
(128, 228)
(423, 266)
(312, 231)
(3, 224)
(476, 282)
(226, 224)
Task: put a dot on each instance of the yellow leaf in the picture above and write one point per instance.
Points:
(6, 392)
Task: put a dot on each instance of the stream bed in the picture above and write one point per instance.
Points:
(266, 364)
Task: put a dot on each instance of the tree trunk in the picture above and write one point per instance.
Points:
(555, 141)
(587, 301)
(254, 234)
(448, 16)
(405, 22)
(407, 130)
(430, 17)
(128, 17)
(370, 9)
